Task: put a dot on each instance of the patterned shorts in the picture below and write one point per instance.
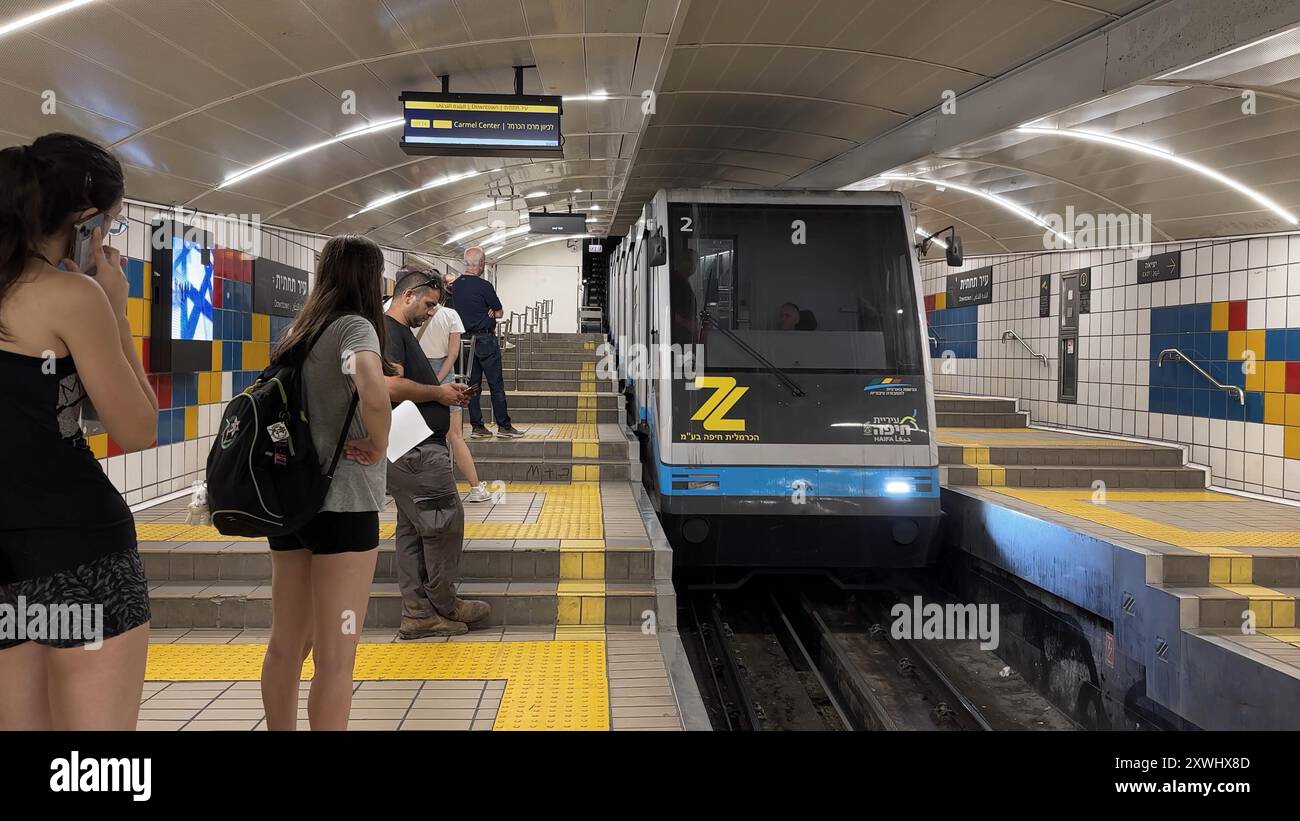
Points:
(87, 604)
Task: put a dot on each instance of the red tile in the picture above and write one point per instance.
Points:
(246, 270)
(164, 390)
(1237, 315)
(929, 302)
(1293, 377)
(114, 449)
(216, 291)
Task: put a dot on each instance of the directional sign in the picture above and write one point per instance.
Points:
(1159, 267)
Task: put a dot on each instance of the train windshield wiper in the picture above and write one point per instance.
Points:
(789, 383)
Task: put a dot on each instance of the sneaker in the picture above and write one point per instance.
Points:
(468, 611)
(480, 432)
(434, 625)
(479, 493)
(509, 432)
(509, 346)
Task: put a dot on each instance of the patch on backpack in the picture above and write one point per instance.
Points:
(278, 432)
(231, 432)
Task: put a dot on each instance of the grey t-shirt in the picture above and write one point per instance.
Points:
(356, 487)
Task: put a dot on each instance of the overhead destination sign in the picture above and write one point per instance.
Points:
(481, 125)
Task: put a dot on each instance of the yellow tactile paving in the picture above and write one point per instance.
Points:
(550, 685)
(988, 475)
(569, 511)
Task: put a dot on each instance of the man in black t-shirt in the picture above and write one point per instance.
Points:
(430, 518)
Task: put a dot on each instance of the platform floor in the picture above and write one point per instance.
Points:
(527, 678)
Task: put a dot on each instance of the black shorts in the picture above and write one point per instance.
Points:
(330, 532)
(90, 603)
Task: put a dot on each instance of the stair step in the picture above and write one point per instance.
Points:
(1062, 476)
(965, 404)
(1031, 456)
(560, 400)
(982, 420)
(1203, 570)
(247, 605)
(552, 470)
(546, 449)
(1220, 607)
(527, 416)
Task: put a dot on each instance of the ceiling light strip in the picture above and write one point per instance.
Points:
(293, 155)
(33, 19)
(1003, 202)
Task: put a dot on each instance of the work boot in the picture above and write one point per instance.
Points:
(434, 625)
(470, 611)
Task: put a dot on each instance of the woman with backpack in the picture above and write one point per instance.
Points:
(67, 538)
(321, 574)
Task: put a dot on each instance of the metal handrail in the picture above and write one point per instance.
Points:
(1009, 334)
(1174, 353)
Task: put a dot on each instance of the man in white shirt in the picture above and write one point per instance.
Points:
(439, 338)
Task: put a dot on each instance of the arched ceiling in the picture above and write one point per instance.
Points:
(750, 93)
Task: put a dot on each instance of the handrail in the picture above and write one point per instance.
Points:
(1174, 353)
(1010, 334)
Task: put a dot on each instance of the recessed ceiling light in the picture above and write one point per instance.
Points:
(32, 19)
(1169, 156)
(293, 155)
(1018, 210)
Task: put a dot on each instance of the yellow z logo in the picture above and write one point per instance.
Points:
(714, 411)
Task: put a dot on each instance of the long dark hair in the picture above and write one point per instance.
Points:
(41, 186)
(349, 277)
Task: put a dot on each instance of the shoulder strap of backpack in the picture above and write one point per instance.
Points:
(343, 434)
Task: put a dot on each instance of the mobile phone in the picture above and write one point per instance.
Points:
(84, 243)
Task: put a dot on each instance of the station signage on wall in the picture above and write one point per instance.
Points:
(481, 125)
(1045, 295)
(278, 289)
(1085, 290)
(1159, 267)
(970, 288)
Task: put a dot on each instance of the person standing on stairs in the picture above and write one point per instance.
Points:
(476, 301)
(430, 518)
(439, 338)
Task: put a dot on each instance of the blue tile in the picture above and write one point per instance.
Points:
(1233, 411)
(1163, 321)
(1275, 344)
(135, 277)
(1186, 402)
(1201, 347)
(1254, 406)
(1219, 345)
(1218, 404)
(1234, 374)
(1201, 401)
(1200, 317)
(1293, 344)
(178, 424)
(164, 428)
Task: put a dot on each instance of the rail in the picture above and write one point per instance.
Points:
(1174, 353)
(1010, 334)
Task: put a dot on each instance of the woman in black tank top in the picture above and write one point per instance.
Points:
(70, 573)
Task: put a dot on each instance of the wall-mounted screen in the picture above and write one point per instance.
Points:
(181, 289)
(191, 288)
(481, 125)
(557, 223)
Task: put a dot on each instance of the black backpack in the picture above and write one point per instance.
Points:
(264, 477)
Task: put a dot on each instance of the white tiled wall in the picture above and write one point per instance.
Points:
(1115, 346)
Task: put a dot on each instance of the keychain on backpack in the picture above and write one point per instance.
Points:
(198, 513)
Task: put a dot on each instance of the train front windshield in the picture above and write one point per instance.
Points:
(808, 287)
(805, 318)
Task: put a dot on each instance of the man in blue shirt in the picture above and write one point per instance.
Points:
(474, 298)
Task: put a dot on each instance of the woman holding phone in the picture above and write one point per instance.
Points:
(67, 538)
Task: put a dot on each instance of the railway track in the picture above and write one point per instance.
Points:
(801, 657)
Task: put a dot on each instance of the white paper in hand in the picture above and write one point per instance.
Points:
(407, 431)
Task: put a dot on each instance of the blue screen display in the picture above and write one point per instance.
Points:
(191, 291)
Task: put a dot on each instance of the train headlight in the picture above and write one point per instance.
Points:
(897, 487)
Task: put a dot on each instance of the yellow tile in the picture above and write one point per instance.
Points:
(1275, 377)
(1243, 570)
(192, 422)
(1255, 344)
(99, 445)
(1291, 443)
(1263, 611)
(941, 300)
(1284, 613)
(1219, 316)
(1292, 409)
(1255, 378)
(148, 278)
(135, 315)
(1274, 408)
(205, 388)
(593, 565)
(1220, 570)
(568, 610)
(593, 610)
(570, 565)
(216, 356)
(139, 350)
(147, 319)
(261, 328)
(1236, 344)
